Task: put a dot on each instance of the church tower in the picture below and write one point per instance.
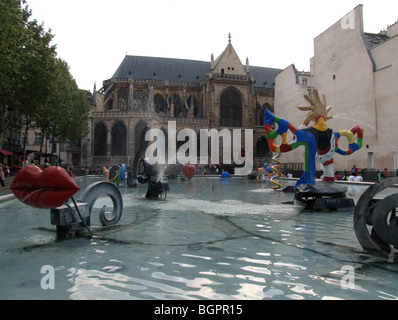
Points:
(228, 62)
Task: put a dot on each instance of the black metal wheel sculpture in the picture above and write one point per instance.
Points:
(375, 220)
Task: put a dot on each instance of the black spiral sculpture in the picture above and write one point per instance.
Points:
(375, 220)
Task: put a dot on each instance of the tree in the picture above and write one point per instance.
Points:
(12, 39)
(38, 75)
(25, 64)
(36, 87)
(64, 115)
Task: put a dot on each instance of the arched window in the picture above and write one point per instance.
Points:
(122, 99)
(230, 109)
(259, 115)
(177, 106)
(262, 149)
(192, 103)
(140, 144)
(100, 139)
(139, 100)
(110, 104)
(119, 139)
(158, 103)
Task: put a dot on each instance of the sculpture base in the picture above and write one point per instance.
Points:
(323, 196)
(156, 188)
(68, 222)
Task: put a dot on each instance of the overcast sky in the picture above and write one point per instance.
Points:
(93, 36)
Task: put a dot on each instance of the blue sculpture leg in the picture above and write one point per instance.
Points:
(306, 178)
(308, 139)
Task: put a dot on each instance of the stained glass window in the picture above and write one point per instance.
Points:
(230, 109)
(159, 103)
(119, 139)
(193, 104)
(122, 99)
(139, 100)
(262, 148)
(177, 106)
(100, 140)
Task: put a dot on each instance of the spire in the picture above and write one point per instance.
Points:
(212, 62)
(229, 37)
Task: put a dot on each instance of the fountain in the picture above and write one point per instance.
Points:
(144, 172)
(215, 238)
(320, 142)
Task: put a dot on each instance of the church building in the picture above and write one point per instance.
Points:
(148, 92)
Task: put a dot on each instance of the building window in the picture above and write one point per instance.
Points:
(139, 100)
(177, 106)
(140, 144)
(262, 149)
(159, 103)
(37, 138)
(119, 139)
(192, 103)
(305, 82)
(100, 139)
(122, 100)
(259, 115)
(110, 104)
(230, 109)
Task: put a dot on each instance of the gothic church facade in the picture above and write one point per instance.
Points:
(148, 92)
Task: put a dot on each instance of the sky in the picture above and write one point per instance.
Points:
(93, 36)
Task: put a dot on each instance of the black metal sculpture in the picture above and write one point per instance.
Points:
(375, 220)
(71, 219)
(144, 172)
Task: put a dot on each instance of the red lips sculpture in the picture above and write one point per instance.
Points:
(44, 189)
(188, 171)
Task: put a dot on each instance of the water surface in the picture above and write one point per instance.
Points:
(209, 239)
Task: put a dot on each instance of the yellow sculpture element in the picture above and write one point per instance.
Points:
(317, 111)
(276, 171)
(349, 134)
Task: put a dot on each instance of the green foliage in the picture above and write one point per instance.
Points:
(36, 87)
(65, 114)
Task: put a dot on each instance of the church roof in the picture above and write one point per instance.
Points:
(162, 69)
(154, 68)
(264, 77)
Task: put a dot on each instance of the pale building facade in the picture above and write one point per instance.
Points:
(357, 72)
